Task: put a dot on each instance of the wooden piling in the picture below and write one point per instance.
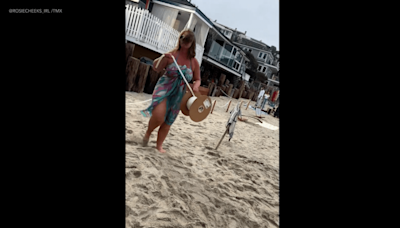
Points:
(152, 80)
(228, 105)
(250, 95)
(214, 90)
(236, 94)
(129, 48)
(229, 89)
(131, 71)
(241, 89)
(218, 93)
(221, 79)
(210, 88)
(142, 73)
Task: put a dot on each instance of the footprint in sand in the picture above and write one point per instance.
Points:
(133, 174)
(189, 153)
(131, 142)
(129, 211)
(213, 154)
(167, 182)
(241, 156)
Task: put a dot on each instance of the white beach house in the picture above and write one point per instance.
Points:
(154, 27)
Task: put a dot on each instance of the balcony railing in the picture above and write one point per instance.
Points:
(219, 53)
(147, 30)
(145, 27)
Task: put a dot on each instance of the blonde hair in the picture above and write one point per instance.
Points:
(186, 36)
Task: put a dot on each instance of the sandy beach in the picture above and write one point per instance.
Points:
(193, 185)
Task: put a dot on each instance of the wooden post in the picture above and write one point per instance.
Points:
(248, 104)
(142, 73)
(232, 92)
(218, 93)
(229, 89)
(213, 106)
(226, 90)
(152, 80)
(240, 106)
(250, 95)
(236, 94)
(226, 82)
(129, 47)
(210, 88)
(223, 89)
(240, 93)
(204, 79)
(242, 87)
(131, 71)
(221, 79)
(214, 91)
(228, 105)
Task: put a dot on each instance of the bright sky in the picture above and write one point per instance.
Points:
(260, 18)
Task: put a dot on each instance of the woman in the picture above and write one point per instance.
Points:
(170, 88)
(259, 101)
(266, 96)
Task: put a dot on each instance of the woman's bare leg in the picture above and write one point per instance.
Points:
(162, 134)
(157, 118)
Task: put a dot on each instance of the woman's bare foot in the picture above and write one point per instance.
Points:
(161, 149)
(146, 139)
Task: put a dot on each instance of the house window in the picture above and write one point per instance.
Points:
(236, 65)
(265, 55)
(239, 57)
(264, 68)
(260, 55)
(259, 68)
(267, 59)
(249, 50)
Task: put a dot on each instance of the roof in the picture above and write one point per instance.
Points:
(188, 5)
(224, 26)
(180, 2)
(253, 43)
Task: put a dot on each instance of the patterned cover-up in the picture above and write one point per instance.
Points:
(172, 87)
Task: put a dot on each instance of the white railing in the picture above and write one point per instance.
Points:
(145, 27)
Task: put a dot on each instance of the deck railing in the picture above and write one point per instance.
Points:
(143, 26)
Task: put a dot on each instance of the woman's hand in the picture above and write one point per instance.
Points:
(195, 88)
(168, 56)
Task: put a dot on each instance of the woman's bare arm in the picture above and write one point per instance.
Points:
(160, 63)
